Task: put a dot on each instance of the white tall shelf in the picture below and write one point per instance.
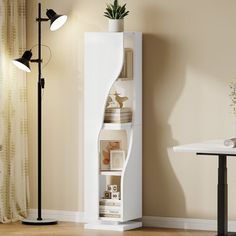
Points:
(104, 59)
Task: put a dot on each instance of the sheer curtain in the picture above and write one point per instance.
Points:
(14, 191)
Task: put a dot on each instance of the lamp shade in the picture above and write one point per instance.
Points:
(23, 62)
(57, 21)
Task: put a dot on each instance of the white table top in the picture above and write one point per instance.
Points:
(210, 146)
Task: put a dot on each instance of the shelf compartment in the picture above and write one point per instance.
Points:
(117, 126)
(110, 212)
(111, 173)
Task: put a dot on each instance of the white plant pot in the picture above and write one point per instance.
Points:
(116, 25)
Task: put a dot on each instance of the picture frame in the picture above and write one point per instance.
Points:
(106, 146)
(127, 69)
(117, 159)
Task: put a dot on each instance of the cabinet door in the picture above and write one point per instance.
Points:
(103, 64)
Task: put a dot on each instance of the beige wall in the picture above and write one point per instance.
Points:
(189, 57)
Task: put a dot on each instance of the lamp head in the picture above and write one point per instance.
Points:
(57, 21)
(23, 62)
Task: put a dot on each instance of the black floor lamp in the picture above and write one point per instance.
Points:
(56, 21)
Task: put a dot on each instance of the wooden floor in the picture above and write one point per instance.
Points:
(74, 229)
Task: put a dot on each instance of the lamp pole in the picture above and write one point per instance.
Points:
(40, 87)
(39, 118)
(41, 82)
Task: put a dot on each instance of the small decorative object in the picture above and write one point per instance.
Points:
(109, 101)
(114, 100)
(105, 147)
(112, 192)
(117, 159)
(112, 188)
(115, 195)
(116, 13)
(107, 195)
(231, 142)
(120, 99)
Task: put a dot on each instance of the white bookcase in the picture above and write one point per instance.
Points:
(113, 63)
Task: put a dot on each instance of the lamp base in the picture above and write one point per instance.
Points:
(39, 222)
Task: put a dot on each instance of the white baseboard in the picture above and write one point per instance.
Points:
(149, 221)
(67, 216)
(179, 223)
(185, 223)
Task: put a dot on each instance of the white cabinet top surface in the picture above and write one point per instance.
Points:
(127, 33)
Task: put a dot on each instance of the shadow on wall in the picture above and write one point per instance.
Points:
(162, 193)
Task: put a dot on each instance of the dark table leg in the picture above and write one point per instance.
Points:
(222, 195)
(222, 210)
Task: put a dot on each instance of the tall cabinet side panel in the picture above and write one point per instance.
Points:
(132, 176)
(137, 78)
(103, 62)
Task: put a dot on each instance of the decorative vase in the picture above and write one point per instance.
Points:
(116, 25)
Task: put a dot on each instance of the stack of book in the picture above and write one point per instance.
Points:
(118, 115)
(110, 208)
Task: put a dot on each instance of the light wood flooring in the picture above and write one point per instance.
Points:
(74, 229)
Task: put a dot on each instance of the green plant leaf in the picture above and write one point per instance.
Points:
(115, 4)
(119, 12)
(107, 15)
(122, 9)
(109, 11)
(124, 14)
(108, 6)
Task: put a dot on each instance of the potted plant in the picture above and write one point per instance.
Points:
(232, 96)
(116, 13)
